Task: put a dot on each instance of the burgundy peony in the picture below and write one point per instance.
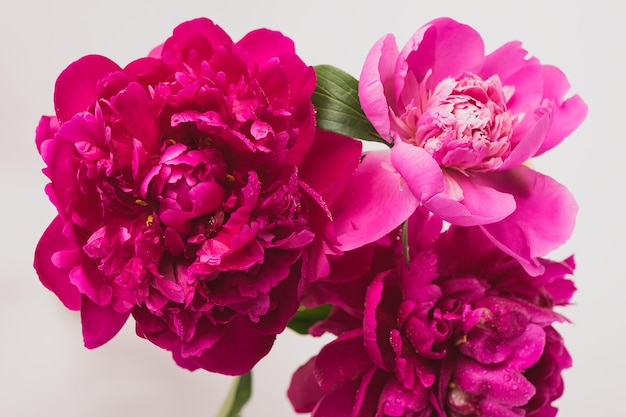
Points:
(459, 330)
(192, 193)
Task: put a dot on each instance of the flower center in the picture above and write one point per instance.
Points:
(465, 124)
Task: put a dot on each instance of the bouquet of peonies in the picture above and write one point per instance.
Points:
(218, 193)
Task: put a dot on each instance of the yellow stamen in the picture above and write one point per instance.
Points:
(230, 177)
(141, 202)
(461, 340)
(150, 220)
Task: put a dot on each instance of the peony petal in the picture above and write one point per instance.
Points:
(376, 84)
(235, 353)
(100, 323)
(263, 45)
(342, 360)
(543, 220)
(528, 145)
(442, 47)
(481, 203)
(134, 107)
(566, 115)
(374, 202)
(304, 392)
(199, 35)
(419, 170)
(506, 386)
(76, 88)
(338, 402)
(326, 171)
(54, 278)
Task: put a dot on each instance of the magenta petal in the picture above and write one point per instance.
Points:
(566, 115)
(53, 277)
(100, 323)
(235, 353)
(543, 220)
(135, 109)
(370, 320)
(506, 386)
(376, 84)
(76, 88)
(481, 202)
(338, 165)
(263, 45)
(304, 391)
(529, 145)
(342, 360)
(421, 172)
(375, 201)
(444, 47)
(339, 402)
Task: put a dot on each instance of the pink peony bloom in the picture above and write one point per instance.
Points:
(462, 124)
(192, 192)
(461, 330)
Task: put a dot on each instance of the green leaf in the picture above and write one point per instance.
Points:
(336, 99)
(305, 318)
(239, 394)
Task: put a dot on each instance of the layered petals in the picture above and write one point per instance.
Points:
(456, 327)
(456, 116)
(193, 192)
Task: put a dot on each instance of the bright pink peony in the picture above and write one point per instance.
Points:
(461, 330)
(462, 124)
(193, 192)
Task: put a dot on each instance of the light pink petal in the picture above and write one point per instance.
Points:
(444, 47)
(76, 88)
(376, 84)
(543, 220)
(528, 146)
(53, 277)
(481, 203)
(100, 323)
(375, 201)
(419, 170)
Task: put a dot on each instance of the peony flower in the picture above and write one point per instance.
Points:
(459, 330)
(192, 193)
(462, 125)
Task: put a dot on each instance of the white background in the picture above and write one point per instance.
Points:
(45, 370)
